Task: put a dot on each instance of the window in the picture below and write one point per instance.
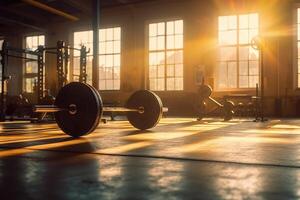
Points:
(83, 38)
(31, 67)
(166, 56)
(298, 46)
(110, 58)
(238, 62)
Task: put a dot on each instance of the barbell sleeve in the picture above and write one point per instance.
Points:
(46, 109)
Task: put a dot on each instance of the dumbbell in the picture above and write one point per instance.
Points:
(227, 107)
(78, 108)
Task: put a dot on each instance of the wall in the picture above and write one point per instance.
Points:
(277, 20)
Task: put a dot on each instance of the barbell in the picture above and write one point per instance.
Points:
(78, 108)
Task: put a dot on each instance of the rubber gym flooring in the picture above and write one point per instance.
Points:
(179, 159)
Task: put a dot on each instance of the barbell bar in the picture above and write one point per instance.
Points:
(52, 109)
(78, 109)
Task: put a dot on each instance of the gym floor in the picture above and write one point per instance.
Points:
(179, 159)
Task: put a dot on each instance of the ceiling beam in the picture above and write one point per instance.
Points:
(16, 22)
(51, 9)
(20, 14)
(84, 7)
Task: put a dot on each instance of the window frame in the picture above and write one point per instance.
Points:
(26, 75)
(84, 28)
(120, 53)
(147, 52)
(238, 45)
(296, 60)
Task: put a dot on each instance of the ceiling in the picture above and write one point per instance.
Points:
(23, 14)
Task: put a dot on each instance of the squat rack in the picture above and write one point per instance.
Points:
(62, 53)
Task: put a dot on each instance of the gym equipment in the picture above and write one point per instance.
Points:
(227, 107)
(60, 50)
(258, 43)
(78, 109)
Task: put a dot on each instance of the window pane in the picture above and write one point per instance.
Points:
(161, 71)
(178, 83)
(179, 27)
(232, 74)
(102, 35)
(253, 68)
(117, 60)
(243, 68)
(117, 33)
(179, 70)
(253, 54)
(253, 21)
(222, 75)
(253, 80)
(171, 84)
(232, 22)
(117, 47)
(152, 71)
(161, 43)
(170, 71)
(227, 53)
(178, 41)
(109, 47)
(170, 41)
(160, 84)
(178, 57)
(166, 55)
(109, 34)
(152, 30)
(153, 44)
(244, 21)
(102, 48)
(161, 29)
(170, 28)
(244, 53)
(252, 33)
(244, 37)
(244, 81)
(222, 23)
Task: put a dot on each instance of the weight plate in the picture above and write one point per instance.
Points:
(228, 110)
(87, 109)
(205, 91)
(152, 106)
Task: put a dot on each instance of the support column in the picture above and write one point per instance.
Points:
(96, 22)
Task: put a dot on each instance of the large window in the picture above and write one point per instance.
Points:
(31, 67)
(83, 38)
(238, 62)
(109, 56)
(166, 56)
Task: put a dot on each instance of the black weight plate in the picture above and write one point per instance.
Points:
(88, 109)
(228, 110)
(205, 91)
(152, 109)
